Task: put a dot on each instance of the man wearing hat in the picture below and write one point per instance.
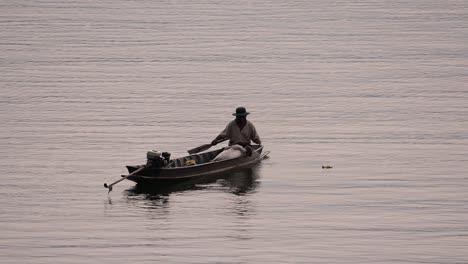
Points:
(239, 131)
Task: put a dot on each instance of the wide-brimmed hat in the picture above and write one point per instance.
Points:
(240, 111)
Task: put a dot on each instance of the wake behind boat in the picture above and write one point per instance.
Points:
(161, 170)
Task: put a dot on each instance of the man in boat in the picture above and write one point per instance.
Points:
(239, 131)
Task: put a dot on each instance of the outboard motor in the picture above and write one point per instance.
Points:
(157, 159)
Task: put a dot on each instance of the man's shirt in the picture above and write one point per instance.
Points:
(236, 135)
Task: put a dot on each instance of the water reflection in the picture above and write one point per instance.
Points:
(239, 182)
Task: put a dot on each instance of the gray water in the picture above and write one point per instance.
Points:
(376, 89)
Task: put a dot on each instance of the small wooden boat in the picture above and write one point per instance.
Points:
(190, 167)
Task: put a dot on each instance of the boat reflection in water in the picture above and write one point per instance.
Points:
(237, 182)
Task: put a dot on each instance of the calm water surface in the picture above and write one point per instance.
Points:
(375, 89)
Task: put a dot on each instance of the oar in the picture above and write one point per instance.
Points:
(125, 177)
(204, 147)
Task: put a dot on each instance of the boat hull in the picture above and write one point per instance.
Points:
(180, 174)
